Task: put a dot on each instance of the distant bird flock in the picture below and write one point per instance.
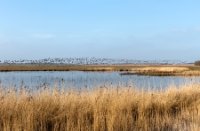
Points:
(90, 61)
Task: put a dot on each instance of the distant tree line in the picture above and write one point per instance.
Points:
(197, 63)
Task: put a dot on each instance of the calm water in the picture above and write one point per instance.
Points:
(78, 79)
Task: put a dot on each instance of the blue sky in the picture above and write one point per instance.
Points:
(133, 29)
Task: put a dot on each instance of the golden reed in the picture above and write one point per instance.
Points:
(103, 109)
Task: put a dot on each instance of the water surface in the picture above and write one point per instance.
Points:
(79, 79)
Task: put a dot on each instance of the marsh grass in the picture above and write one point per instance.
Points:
(149, 70)
(63, 67)
(102, 109)
(165, 71)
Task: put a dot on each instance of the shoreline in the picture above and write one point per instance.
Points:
(124, 69)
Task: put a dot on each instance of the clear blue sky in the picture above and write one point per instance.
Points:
(133, 29)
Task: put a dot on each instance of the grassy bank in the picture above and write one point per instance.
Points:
(125, 69)
(102, 109)
(62, 67)
(165, 71)
(128, 69)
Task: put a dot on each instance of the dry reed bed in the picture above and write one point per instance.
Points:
(63, 67)
(119, 109)
(164, 71)
(150, 70)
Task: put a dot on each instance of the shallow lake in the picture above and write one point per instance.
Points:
(80, 80)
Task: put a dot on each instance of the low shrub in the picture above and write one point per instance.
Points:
(197, 63)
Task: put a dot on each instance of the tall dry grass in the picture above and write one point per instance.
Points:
(119, 109)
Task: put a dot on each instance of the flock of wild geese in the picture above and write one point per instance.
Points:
(90, 61)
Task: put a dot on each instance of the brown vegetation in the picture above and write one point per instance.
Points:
(104, 109)
(197, 63)
(165, 71)
(153, 70)
(61, 67)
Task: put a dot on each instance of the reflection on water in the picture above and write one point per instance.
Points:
(78, 79)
